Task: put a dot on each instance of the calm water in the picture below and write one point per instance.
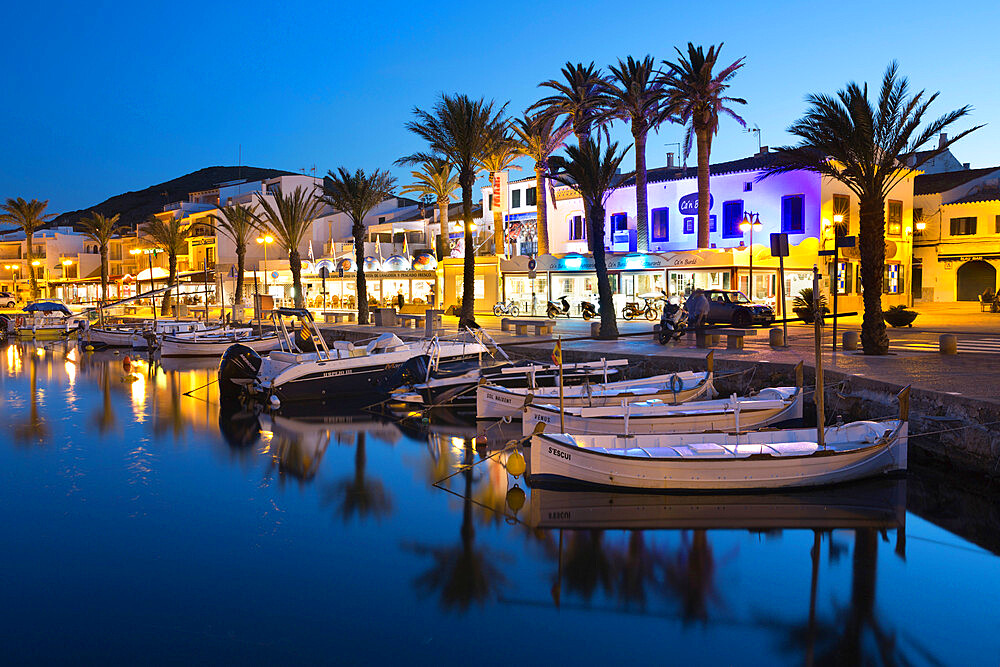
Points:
(137, 530)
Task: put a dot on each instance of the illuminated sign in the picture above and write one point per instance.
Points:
(688, 204)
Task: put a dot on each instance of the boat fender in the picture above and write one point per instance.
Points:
(127, 364)
(515, 464)
(675, 385)
(20, 321)
(275, 402)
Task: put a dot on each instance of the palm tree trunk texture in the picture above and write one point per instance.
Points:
(442, 243)
(29, 239)
(469, 270)
(609, 326)
(362, 285)
(171, 279)
(641, 205)
(104, 273)
(241, 257)
(704, 195)
(295, 264)
(541, 212)
(582, 136)
(871, 242)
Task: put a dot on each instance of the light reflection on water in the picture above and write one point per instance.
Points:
(145, 522)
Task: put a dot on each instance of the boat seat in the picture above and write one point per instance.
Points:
(291, 357)
(791, 448)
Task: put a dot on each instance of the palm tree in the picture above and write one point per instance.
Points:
(356, 195)
(240, 225)
(594, 176)
(463, 131)
(538, 137)
(845, 138)
(99, 229)
(578, 102)
(636, 95)
(171, 237)
(698, 97)
(29, 216)
(289, 218)
(500, 157)
(435, 179)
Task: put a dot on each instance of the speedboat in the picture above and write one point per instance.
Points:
(304, 368)
(46, 320)
(213, 343)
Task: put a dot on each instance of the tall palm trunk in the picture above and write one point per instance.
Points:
(295, 264)
(241, 258)
(609, 326)
(871, 238)
(442, 244)
(541, 211)
(704, 140)
(104, 273)
(641, 205)
(582, 135)
(362, 285)
(171, 279)
(467, 179)
(29, 239)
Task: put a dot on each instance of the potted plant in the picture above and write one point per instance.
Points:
(899, 316)
(803, 305)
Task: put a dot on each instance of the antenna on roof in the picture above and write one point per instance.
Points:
(755, 130)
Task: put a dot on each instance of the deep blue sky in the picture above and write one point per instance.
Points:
(101, 97)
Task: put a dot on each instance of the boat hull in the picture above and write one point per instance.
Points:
(555, 459)
(178, 347)
(45, 333)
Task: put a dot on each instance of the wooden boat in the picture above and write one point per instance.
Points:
(770, 406)
(769, 459)
(140, 336)
(498, 401)
(215, 343)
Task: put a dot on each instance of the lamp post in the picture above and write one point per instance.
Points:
(751, 222)
(265, 241)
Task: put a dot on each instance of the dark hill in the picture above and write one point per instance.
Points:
(135, 207)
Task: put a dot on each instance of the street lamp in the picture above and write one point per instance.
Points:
(265, 241)
(751, 222)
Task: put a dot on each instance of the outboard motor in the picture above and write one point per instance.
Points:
(237, 370)
(410, 372)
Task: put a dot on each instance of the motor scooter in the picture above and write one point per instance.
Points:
(558, 307)
(588, 310)
(673, 323)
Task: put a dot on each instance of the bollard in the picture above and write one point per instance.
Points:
(850, 340)
(595, 329)
(776, 337)
(948, 344)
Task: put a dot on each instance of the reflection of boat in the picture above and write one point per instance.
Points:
(876, 503)
(770, 406)
(496, 401)
(215, 343)
(769, 459)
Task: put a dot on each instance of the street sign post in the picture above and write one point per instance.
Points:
(323, 273)
(779, 249)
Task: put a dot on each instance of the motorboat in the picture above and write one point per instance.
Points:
(305, 368)
(213, 343)
(494, 400)
(46, 320)
(765, 459)
(772, 405)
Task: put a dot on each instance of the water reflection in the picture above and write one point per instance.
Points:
(33, 429)
(360, 495)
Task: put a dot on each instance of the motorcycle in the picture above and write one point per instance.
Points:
(588, 310)
(673, 323)
(557, 308)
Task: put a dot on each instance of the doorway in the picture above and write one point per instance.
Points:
(974, 278)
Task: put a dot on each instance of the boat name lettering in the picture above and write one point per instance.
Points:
(560, 515)
(560, 454)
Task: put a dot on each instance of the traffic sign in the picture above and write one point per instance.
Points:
(324, 272)
(532, 264)
(274, 274)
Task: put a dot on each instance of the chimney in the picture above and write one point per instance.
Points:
(943, 140)
(966, 165)
(670, 159)
(763, 150)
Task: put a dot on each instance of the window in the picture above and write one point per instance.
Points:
(963, 226)
(381, 219)
(747, 186)
(577, 230)
(529, 248)
(711, 223)
(689, 225)
(530, 197)
(515, 198)
(845, 277)
(619, 222)
(842, 208)
(793, 214)
(732, 216)
(894, 217)
(997, 228)
(892, 281)
(661, 224)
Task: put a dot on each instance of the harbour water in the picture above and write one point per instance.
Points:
(142, 525)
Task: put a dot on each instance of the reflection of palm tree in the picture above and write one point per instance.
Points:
(105, 419)
(587, 565)
(361, 495)
(637, 567)
(34, 429)
(464, 574)
(691, 575)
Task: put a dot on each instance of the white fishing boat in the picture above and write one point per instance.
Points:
(770, 406)
(140, 336)
(769, 459)
(214, 343)
(498, 401)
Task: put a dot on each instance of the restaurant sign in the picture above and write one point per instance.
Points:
(688, 204)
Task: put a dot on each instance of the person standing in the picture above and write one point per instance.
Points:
(400, 300)
(697, 307)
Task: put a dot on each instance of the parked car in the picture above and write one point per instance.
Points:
(732, 307)
(7, 300)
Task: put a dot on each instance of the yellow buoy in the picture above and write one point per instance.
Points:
(515, 464)
(89, 348)
(515, 498)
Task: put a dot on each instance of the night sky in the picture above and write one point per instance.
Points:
(101, 98)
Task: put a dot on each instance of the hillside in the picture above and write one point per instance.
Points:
(136, 206)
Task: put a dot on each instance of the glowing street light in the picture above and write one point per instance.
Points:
(751, 222)
(265, 241)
